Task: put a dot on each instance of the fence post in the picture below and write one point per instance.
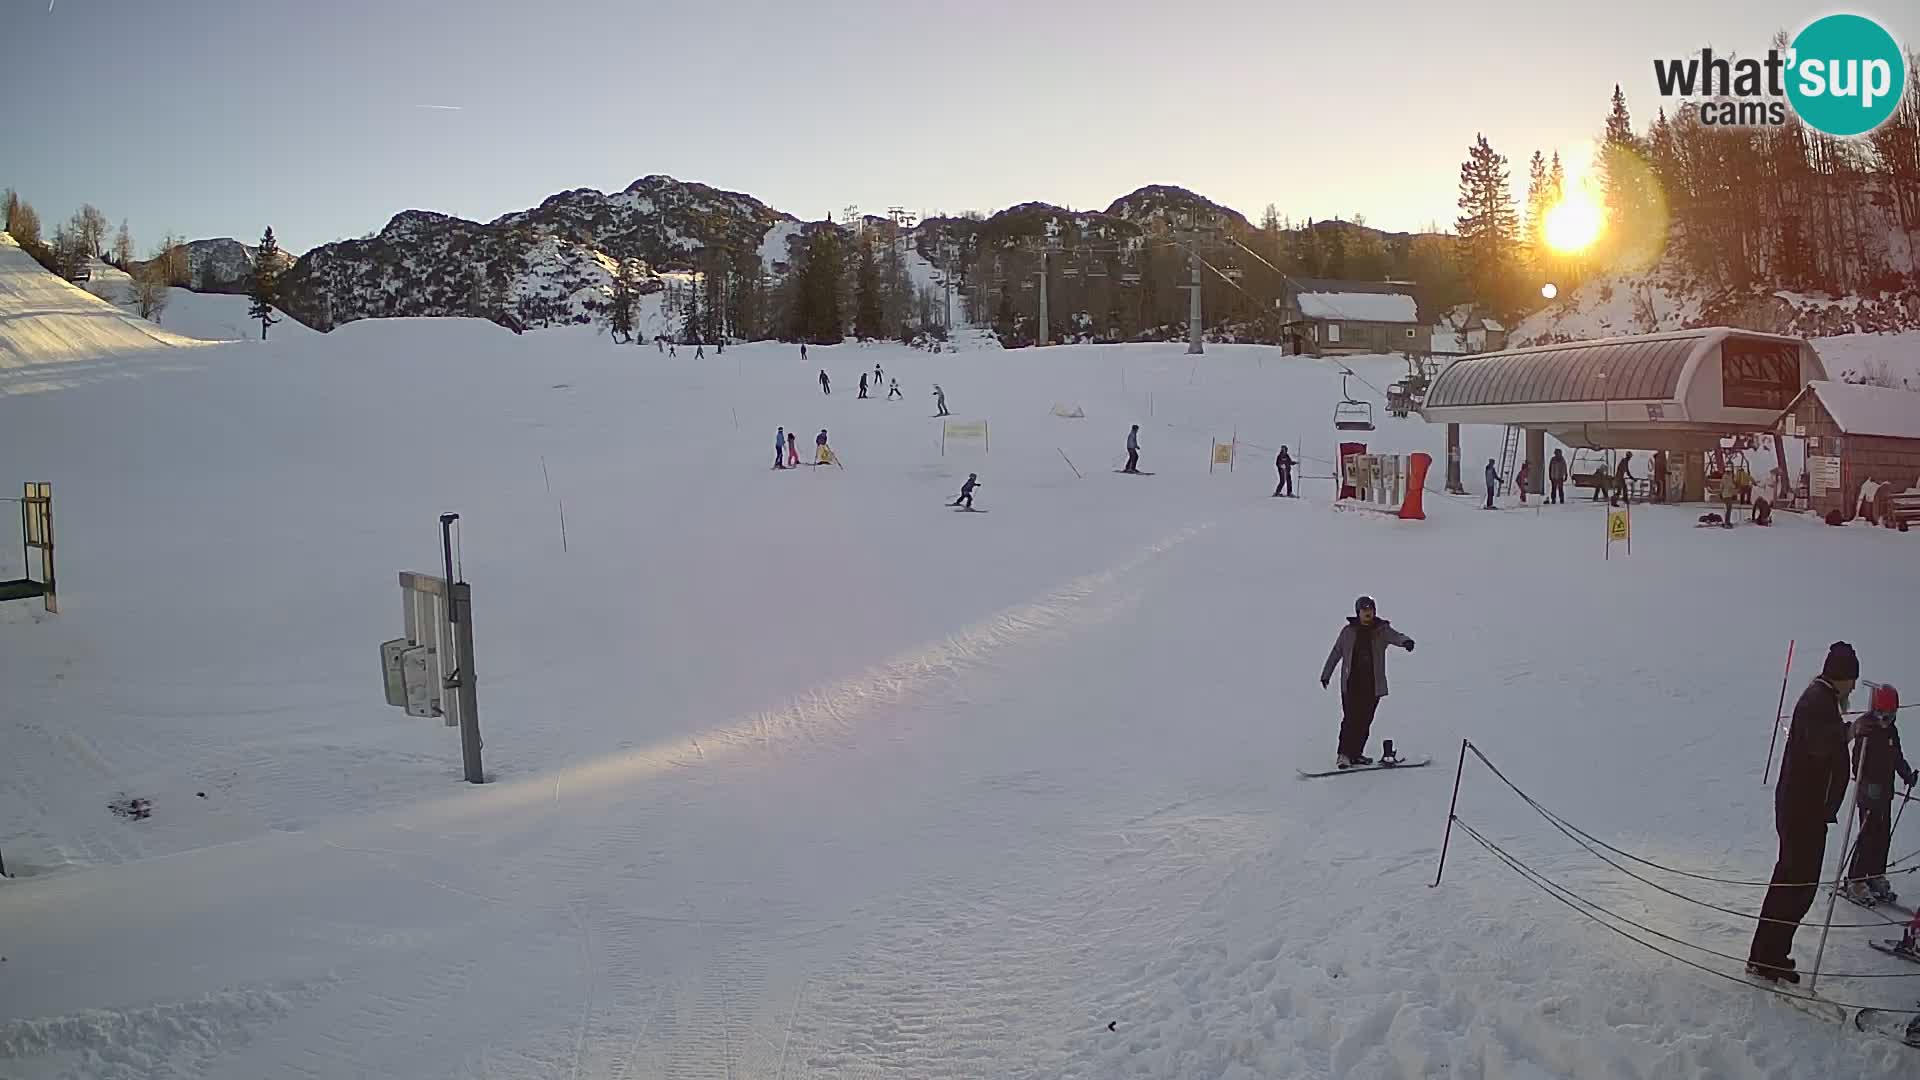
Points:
(1451, 807)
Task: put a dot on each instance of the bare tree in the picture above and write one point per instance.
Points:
(90, 226)
(23, 222)
(123, 247)
(176, 268)
(148, 293)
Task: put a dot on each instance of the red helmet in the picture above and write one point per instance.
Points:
(1885, 699)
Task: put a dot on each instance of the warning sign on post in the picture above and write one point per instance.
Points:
(1619, 528)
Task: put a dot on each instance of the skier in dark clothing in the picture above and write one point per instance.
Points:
(1557, 479)
(878, 378)
(1133, 450)
(1620, 477)
(1806, 799)
(1361, 653)
(893, 391)
(966, 491)
(1284, 463)
(826, 385)
(1602, 482)
(803, 352)
(1658, 481)
(1879, 758)
(779, 446)
(863, 385)
(1493, 482)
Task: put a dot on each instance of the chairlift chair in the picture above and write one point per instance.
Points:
(1352, 414)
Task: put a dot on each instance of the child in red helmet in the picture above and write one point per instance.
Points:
(1879, 758)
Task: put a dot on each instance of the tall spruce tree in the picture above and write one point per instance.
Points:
(867, 314)
(1539, 201)
(266, 281)
(622, 303)
(1488, 228)
(1626, 183)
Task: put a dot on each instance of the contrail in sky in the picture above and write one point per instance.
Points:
(450, 108)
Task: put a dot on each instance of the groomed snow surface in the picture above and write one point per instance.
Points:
(801, 774)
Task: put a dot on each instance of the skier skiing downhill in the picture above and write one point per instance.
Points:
(826, 384)
(878, 378)
(1878, 741)
(863, 385)
(966, 491)
(1806, 799)
(1284, 463)
(893, 391)
(939, 401)
(1360, 651)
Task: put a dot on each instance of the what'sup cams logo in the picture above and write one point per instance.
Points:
(1843, 75)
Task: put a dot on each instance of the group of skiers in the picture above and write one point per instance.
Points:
(786, 450)
(893, 387)
(1823, 753)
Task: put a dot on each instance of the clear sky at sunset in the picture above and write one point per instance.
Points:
(213, 118)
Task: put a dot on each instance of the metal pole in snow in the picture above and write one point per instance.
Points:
(1451, 807)
(1777, 710)
(1839, 873)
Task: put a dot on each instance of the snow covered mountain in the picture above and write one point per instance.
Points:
(224, 265)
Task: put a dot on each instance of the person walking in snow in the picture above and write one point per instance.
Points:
(826, 384)
(803, 352)
(1133, 450)
(1620, 477)
(966, 491)
(1360, 651)
(1493, 482)
(1557, 479)
(1524, 478)
(779, 446)
(1283, 462)
(793, 451)
(1877, 739)
(863, 385)
(893, 391)
(1806, 799)
(939, 401)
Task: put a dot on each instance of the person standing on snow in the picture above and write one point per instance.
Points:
(700, 350)
(826, 384)
(823, 453)
(1133, 450)
(1880, 758)
(893, 391)
(1361, 653)
(966, 491)
(779, 446)
(1620, 477)
(793, 450)
(803, 352)
(1493, 482)
(1658, 480)
(863, 385)
(1284, 463)
(1557, 479)
(1521, 481)
(878, 378)
(939, 401)
(1806, 799)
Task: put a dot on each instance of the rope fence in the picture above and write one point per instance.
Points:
(1618, 923)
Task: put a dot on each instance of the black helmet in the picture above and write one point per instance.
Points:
(1365, 603)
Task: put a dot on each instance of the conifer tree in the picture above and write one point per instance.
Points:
(1488, 228)
(266, 281)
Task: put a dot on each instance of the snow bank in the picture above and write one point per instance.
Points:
(47, 320)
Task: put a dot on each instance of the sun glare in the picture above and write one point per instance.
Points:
(1573, 224)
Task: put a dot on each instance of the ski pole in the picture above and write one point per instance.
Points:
(1777, 710)
(1839, 874)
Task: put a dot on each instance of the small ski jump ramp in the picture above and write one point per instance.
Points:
(47, 320)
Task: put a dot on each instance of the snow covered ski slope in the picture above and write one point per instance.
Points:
(51, 321)
(800, 774)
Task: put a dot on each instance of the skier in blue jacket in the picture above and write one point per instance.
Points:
(779, 446)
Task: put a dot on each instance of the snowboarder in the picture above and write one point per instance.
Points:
(1284, 464)
(779, 446)
(1521, 481)
(1620, 477)
(1361, 653)
(863, 385)
(1806, 799)
(1878, 739)
(893, 391)
(1493, 482)
(793, 450)
(939, 401)
(966, 491)
(826, 384)
(1557, 479)
(1133, 450)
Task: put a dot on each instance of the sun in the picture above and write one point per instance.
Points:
(1573, 224)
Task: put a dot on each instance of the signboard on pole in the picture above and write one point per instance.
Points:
(1222, 454)
(1619, 528)
(1824, 472)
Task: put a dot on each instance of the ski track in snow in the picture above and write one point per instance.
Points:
(964, 860)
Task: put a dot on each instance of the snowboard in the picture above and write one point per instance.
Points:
(1887, 1025)
(967, 510)
(1891, 947)
(1805, 1000)
(1403, 763)
(1137, 472)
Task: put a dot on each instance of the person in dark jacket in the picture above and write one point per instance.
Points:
(966, 491)
(1620, 478)
(1879, 758)
(1493, 482)
(1602, 482)
(863, 385)
(1361, 653)
(826, 384)
(1806, 799)
(1557, 479)
(1284, 463)
(1133, 450)
(1659, 477)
